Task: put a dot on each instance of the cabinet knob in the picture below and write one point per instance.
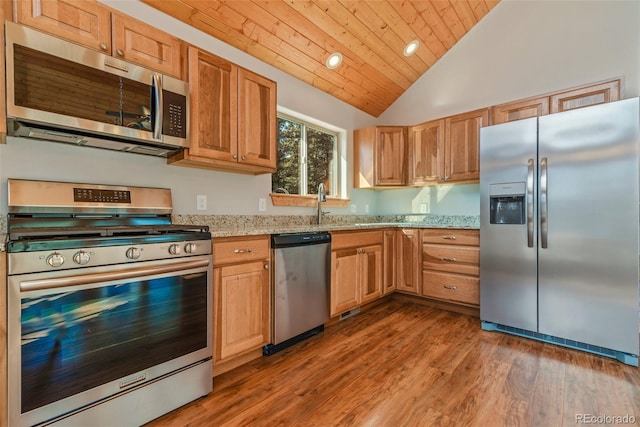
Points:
(266, 266)
(104, 46)
(450, 287)
(120, 52)
(244, 157)
(235, 157)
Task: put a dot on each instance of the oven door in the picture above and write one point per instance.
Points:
(79, 337)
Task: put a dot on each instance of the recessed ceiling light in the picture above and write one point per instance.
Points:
(411, 47)
(334, 60)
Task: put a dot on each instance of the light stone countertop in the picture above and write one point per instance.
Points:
(232, 225)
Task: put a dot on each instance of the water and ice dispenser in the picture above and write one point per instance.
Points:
(507, 203)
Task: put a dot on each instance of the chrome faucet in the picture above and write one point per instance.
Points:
(322, 197)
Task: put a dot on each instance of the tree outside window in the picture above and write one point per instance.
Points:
(306, 158)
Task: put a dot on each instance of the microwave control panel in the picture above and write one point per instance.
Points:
(174, 114)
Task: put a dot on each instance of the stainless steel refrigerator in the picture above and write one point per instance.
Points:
(559, 228)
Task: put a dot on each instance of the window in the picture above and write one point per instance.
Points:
(308, 155)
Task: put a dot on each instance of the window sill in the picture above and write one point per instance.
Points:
(296, 200)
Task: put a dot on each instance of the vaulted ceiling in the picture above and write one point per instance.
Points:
(297, 37)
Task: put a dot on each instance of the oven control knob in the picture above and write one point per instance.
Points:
(190, 248)
(174, 249)
(55, 260)
(81, 257)
(133, 253)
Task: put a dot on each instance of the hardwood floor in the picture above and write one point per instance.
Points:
(404, 364)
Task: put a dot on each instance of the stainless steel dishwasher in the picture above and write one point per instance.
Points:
(301, 271)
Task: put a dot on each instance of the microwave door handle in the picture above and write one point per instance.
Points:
(529, 197)
(156, 86)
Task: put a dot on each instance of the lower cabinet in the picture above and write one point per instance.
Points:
(408, 259)
(389, 261)
(356, 269)
(451, 265)
(242, 302)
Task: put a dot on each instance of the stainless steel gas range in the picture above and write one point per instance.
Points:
(109, 305)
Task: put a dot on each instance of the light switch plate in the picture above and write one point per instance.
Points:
(262, 204)
(354, 208)
(424, 207)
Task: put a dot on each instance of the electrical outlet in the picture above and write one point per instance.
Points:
(262, 204)
(354, 208)
(366, 208)
(424, 207)
(201, 202)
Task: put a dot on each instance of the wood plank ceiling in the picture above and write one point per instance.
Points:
(297, 36)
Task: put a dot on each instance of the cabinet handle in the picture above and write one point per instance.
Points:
(103, 46)
(449, 259)
(449, 237)
(120, 52)
(451, 287)
(243, 251)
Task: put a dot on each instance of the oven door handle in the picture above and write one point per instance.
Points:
(84, 279)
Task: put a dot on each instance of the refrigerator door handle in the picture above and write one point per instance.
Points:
(530, 164)
(544, 204)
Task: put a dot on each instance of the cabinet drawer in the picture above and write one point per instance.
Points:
(451, 236)
(451, 287)
(355, 239)
(451, 259)
(232, 250)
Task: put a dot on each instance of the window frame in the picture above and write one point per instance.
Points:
(339, 182)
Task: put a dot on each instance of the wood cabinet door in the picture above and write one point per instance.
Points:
(524, 109)
(213, 106)
(345, 276)
(257, 139)
(389, 255)
(390, 156)
(408, 258)
(85, 22)
(146, 45)
(462, 145)
(585, 96)
(426, 158)
(242, 309)
(370, 273)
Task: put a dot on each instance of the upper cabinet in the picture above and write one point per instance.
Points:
(380, 155)
(524, 109)
(233, 117)
(426, 144)
(556, 102)
(462, 145)
(585, 96)
(96, 26)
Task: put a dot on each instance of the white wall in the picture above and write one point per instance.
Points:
(520, 49)
(228, 193)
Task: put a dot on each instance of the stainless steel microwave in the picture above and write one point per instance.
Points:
(64, 92)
